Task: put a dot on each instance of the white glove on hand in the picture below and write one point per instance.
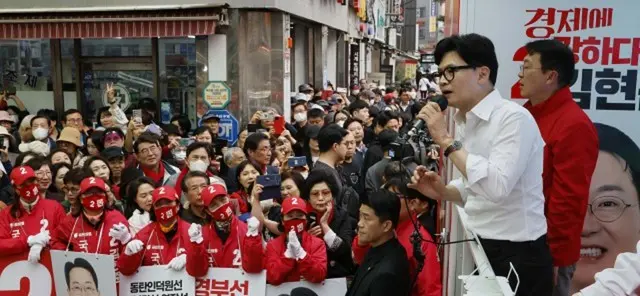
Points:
(41, 238)
(195, 233)
(121, 233)
(294, 247)
(34, 253)
(133, 247)
(252, 226)
(178, 263)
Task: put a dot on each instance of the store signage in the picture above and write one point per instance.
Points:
(427, 58)
(397, 13)
(217, 94)
(228, 125)
(354, 63)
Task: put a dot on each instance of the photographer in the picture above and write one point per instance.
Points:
(373, 178)
(499, 153)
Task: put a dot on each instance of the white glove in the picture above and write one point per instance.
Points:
(133, 247)
(34, 253)
(195, 233)
(178, 263)
(252, 226)
(120, 232)
(294, 247)
(41, 238)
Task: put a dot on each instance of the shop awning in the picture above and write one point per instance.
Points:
(113, 24)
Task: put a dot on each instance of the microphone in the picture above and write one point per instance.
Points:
(419, 124)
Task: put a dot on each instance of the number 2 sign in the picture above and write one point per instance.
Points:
(19, 277)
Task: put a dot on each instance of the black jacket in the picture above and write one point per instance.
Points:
(339, 260)
(383, 272)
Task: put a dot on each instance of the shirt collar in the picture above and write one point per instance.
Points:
(554, 102)
(483, 109)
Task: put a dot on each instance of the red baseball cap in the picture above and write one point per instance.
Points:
(212, 191)
(21, 174)
(92, 182)
(293, 203)
(164, 192)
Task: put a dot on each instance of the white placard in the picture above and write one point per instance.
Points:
(156, 281)
(329, 287)
(91, 274)
(233, 282)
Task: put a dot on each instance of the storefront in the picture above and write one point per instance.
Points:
(64, 60)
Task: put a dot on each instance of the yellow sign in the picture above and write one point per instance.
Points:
(432, 24)
(217, 94)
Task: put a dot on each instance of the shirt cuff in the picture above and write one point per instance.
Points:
(459, 184)
(477, 168)
(330, 238)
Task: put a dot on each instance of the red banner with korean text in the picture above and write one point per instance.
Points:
(19, 277)
(605, 40)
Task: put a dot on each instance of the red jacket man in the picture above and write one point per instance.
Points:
(297, 255)
(225, 239)
(26, 225)
(165, 241)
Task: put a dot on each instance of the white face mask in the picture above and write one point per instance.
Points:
(340, 123)
(179, 155)
(355, 92)
(40, 133)
(198, 166)
(300, 117)
(412, 94)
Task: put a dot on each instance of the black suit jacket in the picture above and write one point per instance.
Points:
(383, 272)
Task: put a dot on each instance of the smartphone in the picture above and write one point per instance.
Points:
(268, 116)
(278, 125)
(312, 220)
(295, 162)
(218, 146)
(185, 142)
(252, 127)
(271, 186)
(136, 115)
(3, 144)
(326, 94)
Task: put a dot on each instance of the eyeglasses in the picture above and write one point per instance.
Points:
(608, 208)
(523, 68)
(76, 290)
(146, 151)
(43, 174)
(449, 73)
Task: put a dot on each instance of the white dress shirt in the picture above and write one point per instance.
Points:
(502, 193)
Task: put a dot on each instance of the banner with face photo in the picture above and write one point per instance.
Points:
(19, 277)
(157, 281)
(603, 36)
(329, 287)
(231, 281)
(83, 274)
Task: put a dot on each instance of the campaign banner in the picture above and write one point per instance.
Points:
(604, 38)
(157, 281)
(19, 277)
(231, 281)
(329, 287)
(77, 273)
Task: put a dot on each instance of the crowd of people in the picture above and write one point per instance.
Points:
(329, 193)
(170, 194)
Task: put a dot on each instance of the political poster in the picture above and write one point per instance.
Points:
(604, 39)
(19, 277)
(231, 281)
(329, 287)
(77, 273)
(157, 281)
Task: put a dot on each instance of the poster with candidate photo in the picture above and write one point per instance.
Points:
(83, 274)
(157, 281)
(606, 45)
(329, 287)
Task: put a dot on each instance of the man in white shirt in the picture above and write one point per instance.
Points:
(499, 152)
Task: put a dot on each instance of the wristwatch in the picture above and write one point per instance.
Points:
(455, 146)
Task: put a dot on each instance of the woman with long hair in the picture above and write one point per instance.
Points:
(246, 175)
(137, 203)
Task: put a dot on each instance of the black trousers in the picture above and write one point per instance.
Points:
(532, 261)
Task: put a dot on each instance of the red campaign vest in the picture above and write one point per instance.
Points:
(45, 215)
(159, 251)
(229, 254)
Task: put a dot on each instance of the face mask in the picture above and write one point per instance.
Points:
(222, 213)
(94, 202)
(304, 174)
(40, 133)
(355, 92)
(29, 193)
(179, 155)
(340, 123)
(412, 94)
(300, 117)
(198, 166)
(166, 214)
(297, 225)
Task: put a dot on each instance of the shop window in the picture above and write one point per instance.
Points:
(25, 68)
(177, 66)
(116, 47)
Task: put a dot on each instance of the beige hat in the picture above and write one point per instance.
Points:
(71, 135)
(5, 116)
(4, 131)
